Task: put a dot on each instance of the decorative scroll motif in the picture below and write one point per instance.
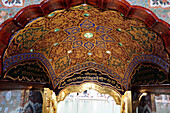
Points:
(28, 71)
(148, 74)
(143, 37)
(91, 75)
(115, 63)
(68, 39)
(77, 44)
(89, 45)
(103, 29)
(101, 44)
(62, 63)
(160, 3)
(36, 33)
(87, 24)
(73, 30)
(84, 66)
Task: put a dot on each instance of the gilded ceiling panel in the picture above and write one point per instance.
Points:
(85, 36)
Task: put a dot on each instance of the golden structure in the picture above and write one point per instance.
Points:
(85, 48)
(50, 100)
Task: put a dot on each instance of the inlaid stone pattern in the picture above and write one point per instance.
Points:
(88, 35)
(77, 37)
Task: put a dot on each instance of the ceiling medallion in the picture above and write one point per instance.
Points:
(88, 35)
(86, 14)
(89, 53)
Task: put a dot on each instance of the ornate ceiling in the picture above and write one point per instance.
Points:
(66, 41)
(85, 43)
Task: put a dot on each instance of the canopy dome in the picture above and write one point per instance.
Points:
(66, 41)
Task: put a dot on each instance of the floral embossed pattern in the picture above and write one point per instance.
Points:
(71, 41)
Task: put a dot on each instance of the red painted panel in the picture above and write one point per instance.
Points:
(122, 7)
(27, 14)
(70, 3)
(52, 5)
(7, 29)
(143, 14)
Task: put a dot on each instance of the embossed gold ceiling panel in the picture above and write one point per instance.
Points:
(85, 37)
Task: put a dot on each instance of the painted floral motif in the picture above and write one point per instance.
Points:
(115, 43)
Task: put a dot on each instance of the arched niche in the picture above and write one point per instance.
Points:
(89, 85)
(146, 73)
(31, 70)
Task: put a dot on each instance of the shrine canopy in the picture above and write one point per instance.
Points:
(69, 43)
